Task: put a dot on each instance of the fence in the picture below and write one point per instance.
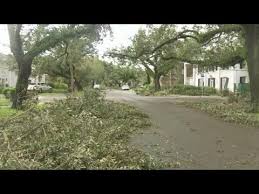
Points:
(242, 88)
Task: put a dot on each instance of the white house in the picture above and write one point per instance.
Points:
(8, 77)
(216, 77)
(39, 79)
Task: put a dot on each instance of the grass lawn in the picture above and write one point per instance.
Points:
(230, 112)
(51, 94)
(4, 102)
(7, 112)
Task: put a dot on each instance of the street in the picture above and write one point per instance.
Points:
(192, 138)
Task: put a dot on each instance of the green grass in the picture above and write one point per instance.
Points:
(59, 90)
(50, 94)
(7, 112)
(229, 112)
(4, 102)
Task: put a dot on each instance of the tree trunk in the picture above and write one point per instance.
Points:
(77, 85)
(252, 43)
(148, 78)
(22, 84)
(157, 81)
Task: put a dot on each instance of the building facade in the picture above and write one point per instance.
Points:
(8, 77)
(38, 80)
(218, 78)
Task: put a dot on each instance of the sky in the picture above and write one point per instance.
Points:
(121, 37)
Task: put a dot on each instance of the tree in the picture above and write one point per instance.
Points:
(247, 50)
(28, 44)
(86, 69)
(148, 48)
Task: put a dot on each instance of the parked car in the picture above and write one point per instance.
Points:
(44, 87)
(97, 86)
(41, 87)
(125, 87)
(32, 87)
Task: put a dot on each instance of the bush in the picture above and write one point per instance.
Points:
(59, 90)
(225, 92)
(9, 92)
(192, 90)
(57, 85)
(76, 133)
(232, 98)
(1, 90)
(177, 89)
(146, 90)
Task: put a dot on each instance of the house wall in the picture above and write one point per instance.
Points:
(233, 73)
(38, 79)
(10, 77)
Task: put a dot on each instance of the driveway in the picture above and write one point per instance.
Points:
(192, 138)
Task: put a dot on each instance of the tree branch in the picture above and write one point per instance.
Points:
(55, 38)
(181, 35)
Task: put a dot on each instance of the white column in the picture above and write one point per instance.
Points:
(185, 73)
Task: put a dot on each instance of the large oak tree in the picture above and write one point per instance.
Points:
(26, 44)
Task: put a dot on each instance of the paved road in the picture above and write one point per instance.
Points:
(190, 137)
(43, 98)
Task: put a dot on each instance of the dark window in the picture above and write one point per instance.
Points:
(189, 70)
(200, 82)
(242, 80)
(211, 82)
(224, 83)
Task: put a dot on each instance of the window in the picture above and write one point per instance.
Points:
(200, 82)
(211, 82)
(242, 80)
(189, 71)
(224, 83)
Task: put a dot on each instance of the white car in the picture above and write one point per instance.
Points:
(97, 86)
(32, 87)
(40, 88)
(125, 87)
(44, 87)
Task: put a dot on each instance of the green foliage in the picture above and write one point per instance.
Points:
(9, 92)
(59, 90)
(225, 92)
(230, 112)
(233, 98)
(4, 102)
(7, 112)
(178, 89)
(1, 90)
(146, 90)
(192, 90)
(58, 85)
(77, 133)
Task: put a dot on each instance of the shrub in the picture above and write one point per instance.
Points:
(232, 98)
(9, 92)
(1, 90)
(225, 92)
(59, 90)
(192, 90)
(146, 90)
(57, 85)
